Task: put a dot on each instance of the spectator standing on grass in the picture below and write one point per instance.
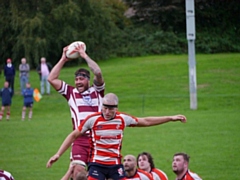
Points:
(146, 163)
(9, 73)
(130, 168)
(24, 69)
(4, 175)
(83, 100)
(180, 167)
(44, 69)
(6, 94)
(106, 132)
(27, 101)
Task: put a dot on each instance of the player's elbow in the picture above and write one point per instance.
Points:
(143, 122)
(50, 79)
(147, 123)
(75, 134)
(97, 72)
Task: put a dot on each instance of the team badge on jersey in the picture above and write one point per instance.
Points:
(120, 171)
(87, 99)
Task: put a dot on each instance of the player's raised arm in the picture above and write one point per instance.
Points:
(98, 79)
(53, 76)
(152, 121)
(65, 145)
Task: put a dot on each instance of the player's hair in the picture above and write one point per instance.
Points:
(110, 98)
(82, 70)
(81, 176)
(150, 158)
(185, 156)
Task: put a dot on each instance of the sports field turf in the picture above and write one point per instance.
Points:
(146, 86)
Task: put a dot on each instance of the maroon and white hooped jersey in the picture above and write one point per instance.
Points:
(82, 104)
(4, 175)
(106, 136)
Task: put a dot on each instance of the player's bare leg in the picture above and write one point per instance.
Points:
(23, 113)
(2, 112)
(8, 113)
(30, 113)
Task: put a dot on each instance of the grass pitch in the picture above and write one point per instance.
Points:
(146, 86)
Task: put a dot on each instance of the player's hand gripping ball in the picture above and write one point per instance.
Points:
(72, 52)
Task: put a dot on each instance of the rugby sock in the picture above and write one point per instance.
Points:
(23, 114)
(30, 115)
(8, 115)
(1, 115)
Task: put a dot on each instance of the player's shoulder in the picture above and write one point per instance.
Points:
(125, 114)
(6, 174)
(94, 114)
(159, 173)
(91, 119)
(66, 86)
(193, 175)
(93, 89)
(145, 175)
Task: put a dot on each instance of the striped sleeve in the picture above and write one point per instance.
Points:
(129, 120)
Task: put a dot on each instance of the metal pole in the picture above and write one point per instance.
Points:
(191, 36)
(192, 74)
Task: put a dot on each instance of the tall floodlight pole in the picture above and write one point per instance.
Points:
(190, 20)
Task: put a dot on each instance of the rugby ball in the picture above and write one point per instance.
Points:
(72, 52)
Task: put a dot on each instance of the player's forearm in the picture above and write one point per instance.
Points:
(152, 121)
(93, 66)
(56, 70)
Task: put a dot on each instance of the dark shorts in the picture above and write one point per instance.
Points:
(102, 172)
(30, 104)
(6, 104)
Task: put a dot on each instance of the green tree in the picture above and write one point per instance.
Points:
(42, 28)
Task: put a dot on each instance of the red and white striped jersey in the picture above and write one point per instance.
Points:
(106, 136)
(141, 175)
(191, 176)
(4, 175)
(158, 174)
(82, 104)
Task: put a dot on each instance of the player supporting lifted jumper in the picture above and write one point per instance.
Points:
(27, 101)
(106, 132)
(82, 99)
(6, 94)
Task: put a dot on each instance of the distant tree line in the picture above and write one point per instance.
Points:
(114, 28)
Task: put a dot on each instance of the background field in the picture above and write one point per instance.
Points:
(153, 85)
